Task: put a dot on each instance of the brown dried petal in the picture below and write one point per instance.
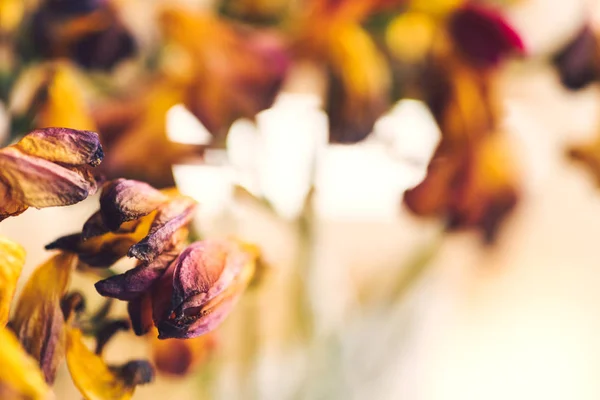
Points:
(38, 320)
(169, 219)
(140, 314)
(63, 145)
(126, 200)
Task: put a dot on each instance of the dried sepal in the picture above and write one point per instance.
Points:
(95, 379)
(48, 168)
(20, 377)
(200, 288)
(12, 259)
(38, 320)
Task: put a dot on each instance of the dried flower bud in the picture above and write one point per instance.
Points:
(482, 35)
(200, 288)
(47, 168)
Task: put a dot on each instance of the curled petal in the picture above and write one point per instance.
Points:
(95, 379)
(126, 200)
(20, 377)
(12, 259)
(169, 219)
(38, 320)
(482, 35)
(207, 280)
(63, 145)
(35, 182)
(136, 281)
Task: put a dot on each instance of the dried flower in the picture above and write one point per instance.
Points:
(200, 288)
(49, 167)
(180, 357)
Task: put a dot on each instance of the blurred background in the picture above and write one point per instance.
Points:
(421, 177)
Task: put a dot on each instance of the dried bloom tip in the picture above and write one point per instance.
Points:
(63, 145)
(126, 200)
(48, 168)
(482, 35)
(71, 304)
(171, 218)
(200, 288)
(578, 63)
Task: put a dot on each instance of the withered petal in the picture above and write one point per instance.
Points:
(38, 320)
(125, 200)
(63, 145)
(95, 379)
(578, 63)
(170, 218)
(12, 259)
(19, 375)
(39, 183)
(136, 281)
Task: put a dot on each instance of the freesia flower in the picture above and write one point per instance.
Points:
(200, 288)
(47, 168)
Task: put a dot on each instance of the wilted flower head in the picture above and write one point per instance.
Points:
(89, 32)
(200, 288)
(48, 167)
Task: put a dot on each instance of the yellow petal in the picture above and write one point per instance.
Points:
(12, 258)
(38, 320)
(19, 374)
(410, 35)
(91, 375)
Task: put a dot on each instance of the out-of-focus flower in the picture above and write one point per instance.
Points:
(38, 320)
(11, 15)
(471, 182)
(12, 259)
(472, 188)
(200, 288)
(287, 141)
(359, 77)
(48, 167)
(589, 156)
(232, 71)
(180, 357)
(482, 35)
(95, 379)
(89, 32)
(20, 377)
(578, 63)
